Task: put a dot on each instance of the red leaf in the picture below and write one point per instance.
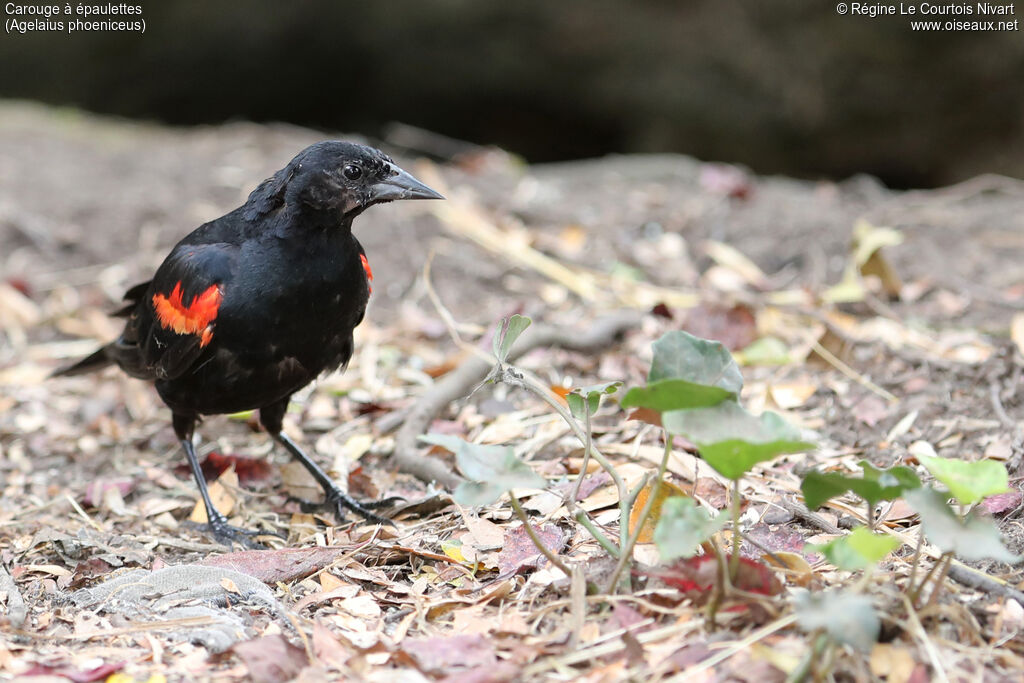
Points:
(519, 552)
(1001, 502)
(249, 470)
(735, 327)
(99, 673)
(696, 576)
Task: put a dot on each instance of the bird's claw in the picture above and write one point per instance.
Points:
(340, 501)
(228, 534)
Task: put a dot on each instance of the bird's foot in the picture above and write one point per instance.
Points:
(339, 502)
(229, 535)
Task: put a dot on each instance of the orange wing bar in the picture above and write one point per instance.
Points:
(195, 318)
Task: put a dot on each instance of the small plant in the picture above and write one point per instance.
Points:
(692, 391)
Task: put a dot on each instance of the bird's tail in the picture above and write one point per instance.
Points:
(95, 361)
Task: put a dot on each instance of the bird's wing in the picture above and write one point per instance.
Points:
(176, 319)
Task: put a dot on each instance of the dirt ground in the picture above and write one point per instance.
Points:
(93, 479)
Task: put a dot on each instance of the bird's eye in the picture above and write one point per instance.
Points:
(352, 172)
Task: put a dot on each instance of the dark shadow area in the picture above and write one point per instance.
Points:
(784, 87)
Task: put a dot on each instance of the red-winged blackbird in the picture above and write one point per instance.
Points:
(253, 306)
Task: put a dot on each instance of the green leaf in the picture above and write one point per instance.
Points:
(682, 527)
(876, 485)
(969, 482)
(675, 394)
(680, 355)
(846, 617)
(974, 538)
(507, 333)
(764, 351)
(732, 440)
(857, 550)
(591, 396)
(492, 470)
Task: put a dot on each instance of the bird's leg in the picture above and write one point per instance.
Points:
(217, 524)
(272, 417)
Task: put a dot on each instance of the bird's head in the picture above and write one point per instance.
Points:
(337, 179)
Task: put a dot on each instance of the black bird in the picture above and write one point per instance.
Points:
(253, 306)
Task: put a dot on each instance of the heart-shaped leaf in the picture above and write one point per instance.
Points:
(680, 355)
(876, 485)
(974, 538)
(857, 550)
(846, 617)
(732, 440)
(589, 398)
(492, 470)
(507, 333)
(683, 527)
(969, 482)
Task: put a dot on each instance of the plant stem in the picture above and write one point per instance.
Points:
(588, 524)
(940, 580)
(734, 504)
(913, 568)
(722, 584)
(645, 512)
(513, 377)
(916, 593)
(532, 533)
(574, 495)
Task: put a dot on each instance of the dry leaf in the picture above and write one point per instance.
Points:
(222, 493)
(794, 566)
(665, 491)
(271, 659)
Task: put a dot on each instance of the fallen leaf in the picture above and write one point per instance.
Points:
(789, 395)
(695, 576)
(328, 649)
(894, 663)
(271, 658)
(1001, 502)
(249, 470)
(222, 493)
(281, 565)
(441, 655)
(665, 491)
(98, 673)
(871, 410)
(97, 488)
(793, 566)
(735, 327)
(519, 553)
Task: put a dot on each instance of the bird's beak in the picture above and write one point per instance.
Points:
(401, 186)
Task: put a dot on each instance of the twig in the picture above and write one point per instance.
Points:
(460, 381)
(806, 515)
(532, 533)
(78, 508)
(736, 647)
(972, 578)
(851, 373)
(997, 406)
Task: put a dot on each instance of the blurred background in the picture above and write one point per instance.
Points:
(787, 86)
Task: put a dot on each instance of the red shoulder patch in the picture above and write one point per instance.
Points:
(195, 318)
(369, 271)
